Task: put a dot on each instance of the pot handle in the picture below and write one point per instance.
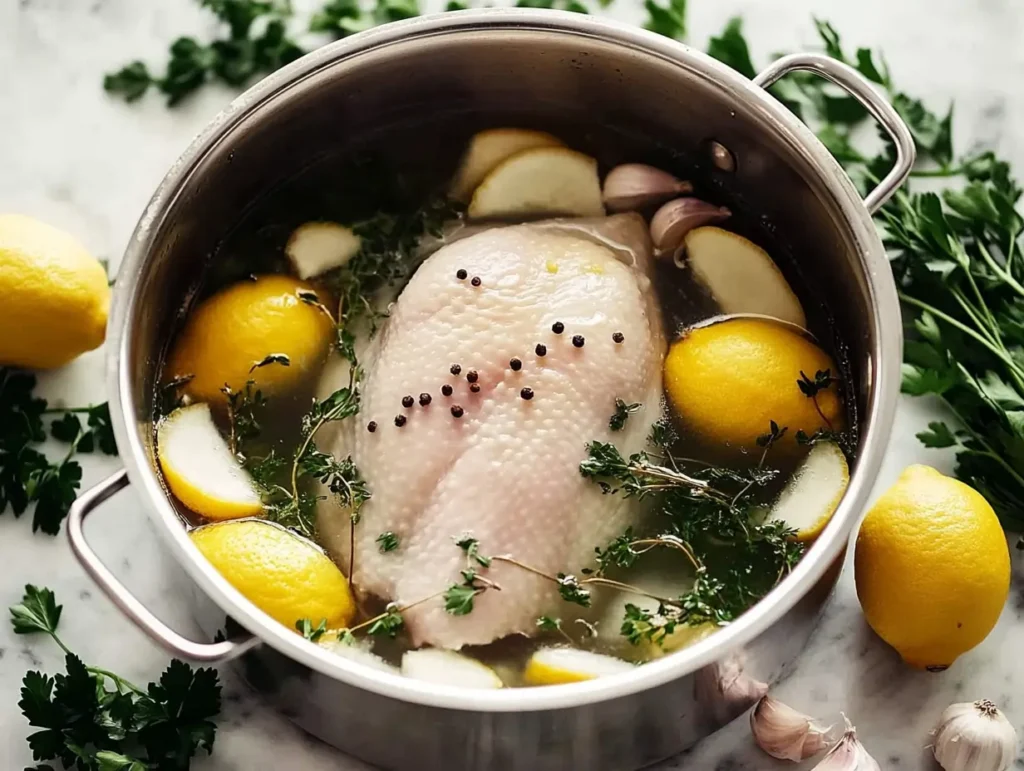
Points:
(861, 89)
(154, 628)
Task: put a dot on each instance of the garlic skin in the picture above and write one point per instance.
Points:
(724, 691)
(848, 754)
(675, 219)
(974, 736)
(633, 186)
(786, 734)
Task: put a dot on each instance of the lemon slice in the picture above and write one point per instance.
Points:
(199, 467)
(442, 667)
(544, 181)
(557, 665)
(489, 148)
(317, 247)
(740, 275)
(811, 496)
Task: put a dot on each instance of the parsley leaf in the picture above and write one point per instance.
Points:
(937, 435)
(38, 611)
(668, 20)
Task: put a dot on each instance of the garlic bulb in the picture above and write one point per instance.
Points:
(636, 185)
(848, 755)
(675, 219)
(974, 737)
(784, 733)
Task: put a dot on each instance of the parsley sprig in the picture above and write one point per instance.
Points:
(91, 718)
(27, 475)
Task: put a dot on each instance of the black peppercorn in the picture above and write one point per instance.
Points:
(457, 411)
(577, 340)
(461, 274)
(371, 426)
(526, 393)
(475, 281)
(424, 399)
(558, 327)
(515, 364)
(399, 420)
(541, 349)
(455, 369)
(446, 390)
(618, 337)
(475, 388)
(472, 376)
(407, 401)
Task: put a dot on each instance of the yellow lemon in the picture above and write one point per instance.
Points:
(932, 568)
(559, 665)
(228, 334)
(285, 576)
(729, 380)
(55, 295)
(200, 468)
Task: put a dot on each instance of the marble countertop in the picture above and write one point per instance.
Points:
(88, 164)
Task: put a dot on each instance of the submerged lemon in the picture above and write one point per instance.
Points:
(932, 567)
(237, 328)
(55, 295)
(729, 380)
(200, 468)
(559, 665)
(285, 576)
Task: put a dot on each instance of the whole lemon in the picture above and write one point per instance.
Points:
(729, 380)
(285, 576)
(932, 568)
(229, 333)
(55, 295)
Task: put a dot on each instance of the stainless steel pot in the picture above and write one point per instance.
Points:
(491, 67)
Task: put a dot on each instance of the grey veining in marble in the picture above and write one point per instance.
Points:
(86, 163)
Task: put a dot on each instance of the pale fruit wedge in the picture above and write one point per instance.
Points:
(811, 496)
(199, 467)
(545, 181)
(317, 247)
(740, 275)
(489, 148)
(559, 665)
(443, 667)
(358, 652)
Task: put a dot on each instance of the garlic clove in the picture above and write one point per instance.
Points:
(675, 219)
(974, 736)
(633, 186)
(724, 691)
(786, 734)
(848, 754)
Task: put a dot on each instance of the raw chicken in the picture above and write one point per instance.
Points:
(506, 471)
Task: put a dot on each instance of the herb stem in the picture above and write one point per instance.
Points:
(379, 616)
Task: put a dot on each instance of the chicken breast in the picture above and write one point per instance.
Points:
(500, 462)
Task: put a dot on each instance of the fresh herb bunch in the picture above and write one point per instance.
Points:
(94, 720)
(958, 263)
(26, 474)
(255, 41)
(707, 514)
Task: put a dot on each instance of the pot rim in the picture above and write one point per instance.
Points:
(885, 362)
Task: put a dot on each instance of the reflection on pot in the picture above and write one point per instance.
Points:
(724, 691)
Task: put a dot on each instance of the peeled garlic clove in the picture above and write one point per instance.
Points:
(786, 734)
(974, 736)
(633, 186)
(848, 755)
(675, 219)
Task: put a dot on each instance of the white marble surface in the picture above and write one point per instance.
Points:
(86, 163)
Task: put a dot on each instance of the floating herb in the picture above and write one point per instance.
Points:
(622, 411)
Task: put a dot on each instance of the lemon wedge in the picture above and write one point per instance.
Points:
(443, 667)
(558, 665)
(199, 467)
(543, 181)
(490, 147)
(287, 577)
(317, 247)
(811, 496)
